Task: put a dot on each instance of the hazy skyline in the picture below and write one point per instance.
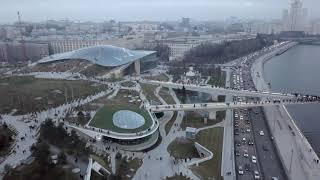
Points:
(159, 10)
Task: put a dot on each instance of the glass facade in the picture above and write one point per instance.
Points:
(104, 55)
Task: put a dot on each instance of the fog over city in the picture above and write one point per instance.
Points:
(130, 10)
(159, 89)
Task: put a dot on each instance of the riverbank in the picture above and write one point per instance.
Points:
(297, 156)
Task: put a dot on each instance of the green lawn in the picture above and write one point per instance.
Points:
(103, 118)
(213, 140)
(218, 79)
(196, 120)
(102, 161)
(148, 91)
(170, 123)
(128, 84)
(29, 94)
(182, 148)
(165, 94)
(127, 167)
(160, 77)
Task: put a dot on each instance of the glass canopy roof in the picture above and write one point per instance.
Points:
(104, 55)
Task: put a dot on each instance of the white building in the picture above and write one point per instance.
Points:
(296, 18)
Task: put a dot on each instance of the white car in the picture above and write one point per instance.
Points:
(240, 170)
(241, 117)
(261, 133)
(254, 159)
(248, 130)
(245, 154)
(256, 175)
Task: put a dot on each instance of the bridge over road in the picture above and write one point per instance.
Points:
(220, 91)
(221, 106)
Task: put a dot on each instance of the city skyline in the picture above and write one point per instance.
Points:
(153, 10)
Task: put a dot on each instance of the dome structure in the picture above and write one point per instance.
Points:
(104, 55)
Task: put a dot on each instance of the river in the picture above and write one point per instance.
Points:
(298, 70)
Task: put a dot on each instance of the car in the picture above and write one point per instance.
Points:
(241, 117)
(254, 159)
(244, 140)
(236, 115)
(274, 178)
(237, 153)
(240, 170)
(245, 154)
(247, 167)
(256, 175)
(250, 142)
(248, 130)
(261, 133)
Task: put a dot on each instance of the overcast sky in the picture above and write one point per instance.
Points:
(99, 10)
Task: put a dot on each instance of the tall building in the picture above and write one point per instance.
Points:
(14, 52)
(296, 18)
(185, 22)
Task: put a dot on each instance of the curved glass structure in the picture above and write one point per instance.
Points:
(104, 55)
(127, 119)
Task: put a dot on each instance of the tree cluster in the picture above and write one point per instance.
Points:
(210, 53)
(59, 137)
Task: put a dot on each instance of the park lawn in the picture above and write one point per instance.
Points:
(95, 70)
(102, 161)
(213, 140)
(128, 84)
(196, 120)
(166, 96)
(28, 94)
(218, 79)
(127, 167)
(169, 124)
(103, 118)
(148, 90)
(182, 148)
(160, 77)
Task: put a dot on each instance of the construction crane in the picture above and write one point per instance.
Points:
(24, 55)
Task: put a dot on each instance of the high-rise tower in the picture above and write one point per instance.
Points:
(295, 19)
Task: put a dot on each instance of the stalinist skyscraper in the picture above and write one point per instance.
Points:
(296, 18)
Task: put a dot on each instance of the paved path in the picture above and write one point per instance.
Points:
(228, 161)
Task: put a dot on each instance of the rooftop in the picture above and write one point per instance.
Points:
(104, 55)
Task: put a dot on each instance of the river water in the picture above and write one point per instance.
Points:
(298, 70)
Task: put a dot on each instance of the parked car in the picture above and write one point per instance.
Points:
(240, 170)
(261, 133)
(256, 175)
(254, 159)
(245, 154)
